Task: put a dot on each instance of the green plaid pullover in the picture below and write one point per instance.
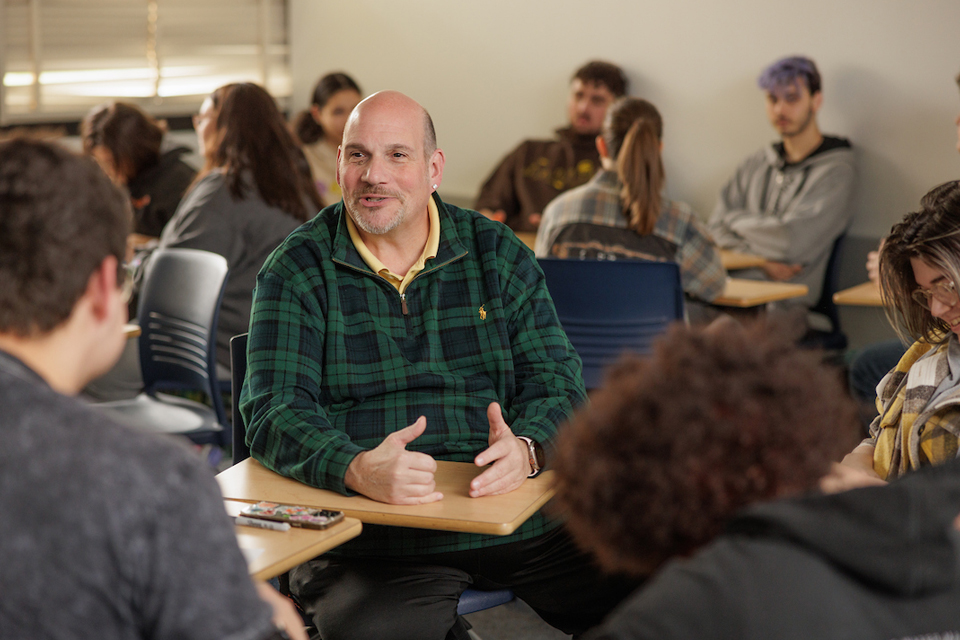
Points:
(337, 360)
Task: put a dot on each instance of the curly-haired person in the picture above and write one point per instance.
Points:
(673, 444)
(709, 452)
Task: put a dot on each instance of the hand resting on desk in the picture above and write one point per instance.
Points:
(389, 473)
(511, 463)
(780, 271)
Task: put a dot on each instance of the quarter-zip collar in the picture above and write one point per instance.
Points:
(449, 249)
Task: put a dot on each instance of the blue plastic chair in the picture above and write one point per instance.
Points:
(608, 307)
(834, 339)
(179, 304)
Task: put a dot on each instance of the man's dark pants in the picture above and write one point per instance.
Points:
(416, 597)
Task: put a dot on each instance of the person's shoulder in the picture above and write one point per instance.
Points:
(678, 217)
(531, 147)
(485, 238)
(100, 445)
(308, 245)
(208, 189)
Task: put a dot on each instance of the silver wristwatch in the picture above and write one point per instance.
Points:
(535, 456)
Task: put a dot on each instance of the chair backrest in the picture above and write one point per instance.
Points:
(179, 304)
(835, 339)
(608, 307)
(238, 371)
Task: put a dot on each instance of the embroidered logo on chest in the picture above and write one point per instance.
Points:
(483, 313)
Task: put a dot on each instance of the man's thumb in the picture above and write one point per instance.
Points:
(408, 434)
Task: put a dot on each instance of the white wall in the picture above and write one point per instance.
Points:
(496, 71)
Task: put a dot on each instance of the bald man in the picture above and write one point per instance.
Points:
(390, 332)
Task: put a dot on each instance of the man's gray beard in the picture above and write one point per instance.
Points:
(366, 227)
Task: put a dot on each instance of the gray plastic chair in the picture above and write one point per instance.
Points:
(179, 304)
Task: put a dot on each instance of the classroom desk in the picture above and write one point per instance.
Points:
(528, 238)
(139, 241)
(270, 553)
(733, 260)
(249, 481)
(743, 293)
(131, 330)
(862, 295)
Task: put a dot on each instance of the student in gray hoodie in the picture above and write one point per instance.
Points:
(789, 201)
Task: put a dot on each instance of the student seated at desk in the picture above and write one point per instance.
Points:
(106, 531)
(253, 190)
(919, 400)
(789, 201)
(394, 330)
(320, 130)
(621, 214)
(537, 171)
(127, 144)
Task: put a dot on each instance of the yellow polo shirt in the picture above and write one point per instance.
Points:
(429, 250)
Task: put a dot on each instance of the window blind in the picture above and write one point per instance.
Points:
(58, 58)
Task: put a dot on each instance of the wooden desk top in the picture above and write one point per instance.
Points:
(529, 238)
(131, 330)
(751, 293)
(863, 295)
(250, 481)
(270, 553)
(732, 260)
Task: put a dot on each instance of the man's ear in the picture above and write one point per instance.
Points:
(103, 288)
(817, 101)
(339, 153)
(602, 147)
(437, 160)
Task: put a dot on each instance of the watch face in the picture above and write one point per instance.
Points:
(539, 455)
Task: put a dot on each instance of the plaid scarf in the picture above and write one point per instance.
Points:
(910, 431)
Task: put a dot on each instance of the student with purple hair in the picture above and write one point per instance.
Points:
(789, 201)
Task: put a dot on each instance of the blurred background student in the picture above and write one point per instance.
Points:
(320, 129)
(250, 194)
(622, 212)
(127, 143)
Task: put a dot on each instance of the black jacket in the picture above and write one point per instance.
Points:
(878, 563)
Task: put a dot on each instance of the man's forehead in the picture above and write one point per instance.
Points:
(579, 85)
(790, 90)
(381, 130)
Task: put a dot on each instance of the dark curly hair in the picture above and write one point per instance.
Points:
(603, 73)
(673, 444)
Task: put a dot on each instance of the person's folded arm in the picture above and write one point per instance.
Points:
(807, 227)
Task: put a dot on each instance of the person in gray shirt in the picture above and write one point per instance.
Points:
(106, 532)
(789, 201)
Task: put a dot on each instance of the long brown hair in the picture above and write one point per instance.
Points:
(632, 132)
(132, 136)
(252, 138)
(932, 235)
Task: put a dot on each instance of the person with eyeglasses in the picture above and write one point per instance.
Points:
(919, 400)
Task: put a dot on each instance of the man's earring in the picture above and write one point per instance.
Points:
(434, 187)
